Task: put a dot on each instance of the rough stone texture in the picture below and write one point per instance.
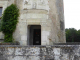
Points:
(56, 52)
(47, 13)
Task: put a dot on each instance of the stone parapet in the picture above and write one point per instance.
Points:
(55, 52)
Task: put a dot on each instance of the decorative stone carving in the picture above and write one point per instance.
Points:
(34, 5)
(42, 1)
(25, 2)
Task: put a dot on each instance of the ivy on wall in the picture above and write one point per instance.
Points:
(9, 22)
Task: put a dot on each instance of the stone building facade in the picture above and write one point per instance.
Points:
(41, 22)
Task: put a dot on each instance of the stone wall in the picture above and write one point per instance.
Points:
(56, 14)
(49, 14)
(56, 52)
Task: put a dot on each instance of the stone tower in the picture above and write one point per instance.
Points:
(41, 22)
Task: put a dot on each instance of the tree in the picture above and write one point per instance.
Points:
(71, 35)
(9, 22)
(78, 36)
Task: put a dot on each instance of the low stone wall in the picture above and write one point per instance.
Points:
(56, 52)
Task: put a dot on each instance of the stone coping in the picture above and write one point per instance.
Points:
(40, 46)
(40, 11)
(68, 43)
(55, 45)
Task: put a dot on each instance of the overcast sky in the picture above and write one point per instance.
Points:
(72, 14)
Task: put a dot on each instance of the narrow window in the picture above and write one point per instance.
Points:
(0, 12)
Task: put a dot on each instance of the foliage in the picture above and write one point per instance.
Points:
(0, 24)
(9, 22)
(72, 35)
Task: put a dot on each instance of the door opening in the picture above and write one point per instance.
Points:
(34, 35)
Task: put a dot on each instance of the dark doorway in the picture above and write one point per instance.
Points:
(37, 37)
(34, 35)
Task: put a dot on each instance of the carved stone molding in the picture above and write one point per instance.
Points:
(34, 5)
(25, 2)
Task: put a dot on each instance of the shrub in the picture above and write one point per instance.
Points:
(9, 22)
(0, 25)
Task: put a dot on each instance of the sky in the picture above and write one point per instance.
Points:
(72, 14)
